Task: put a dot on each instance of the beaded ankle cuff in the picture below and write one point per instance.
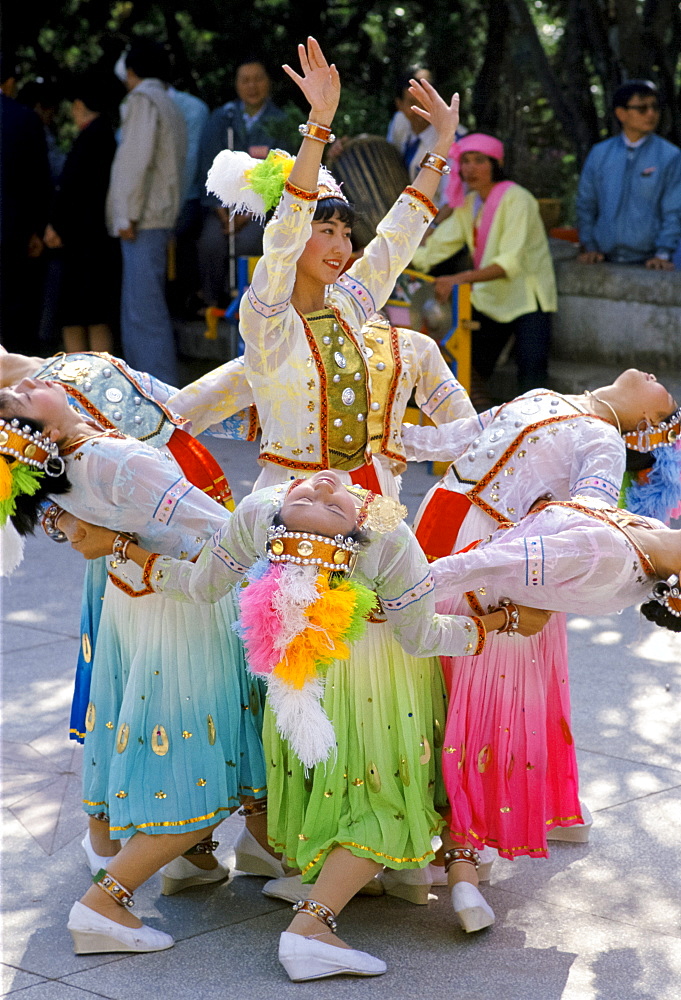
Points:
(257, 808)
(461, 854)
(318, 910)
(203, 847)
(113, 888)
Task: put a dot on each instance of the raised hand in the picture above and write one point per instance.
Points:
(445, 117)
(320, 82)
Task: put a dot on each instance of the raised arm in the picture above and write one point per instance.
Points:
(320, 83)
(445, 119)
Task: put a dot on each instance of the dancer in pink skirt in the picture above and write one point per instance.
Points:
(509, 758)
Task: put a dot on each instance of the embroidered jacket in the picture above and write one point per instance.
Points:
(507, 457)
(300, 385)
(400, 361)
(573, 556)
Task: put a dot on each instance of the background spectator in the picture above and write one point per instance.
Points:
(44, 98)
(143, 204)
(90, 281)
(252, 124)
(195, 113)
(415, 138)
(514, 287)
(629, 195)
(24, 199)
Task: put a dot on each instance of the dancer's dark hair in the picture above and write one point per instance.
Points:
(660, 615)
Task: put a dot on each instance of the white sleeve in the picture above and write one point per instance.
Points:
(440, 444)
(405, 588)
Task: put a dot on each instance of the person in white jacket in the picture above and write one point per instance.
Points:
(143, 203)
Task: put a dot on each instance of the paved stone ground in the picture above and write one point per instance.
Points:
(600, 921)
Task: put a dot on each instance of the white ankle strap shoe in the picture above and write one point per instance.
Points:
(306, 958)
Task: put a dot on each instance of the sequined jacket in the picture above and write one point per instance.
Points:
(507, 457)
(107, 389)
(400, 361)
(298, 387)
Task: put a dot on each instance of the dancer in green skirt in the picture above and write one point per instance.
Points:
(352, 725)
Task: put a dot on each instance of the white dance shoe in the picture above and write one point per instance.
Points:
(307, 958)
(95, 861)
(578, 834)
(471, 908)
(253, 859)
(181, 874)
(412, 884)
(93, 933)
(289, 888)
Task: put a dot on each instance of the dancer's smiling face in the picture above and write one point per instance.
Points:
(327, 251)
(320, 505)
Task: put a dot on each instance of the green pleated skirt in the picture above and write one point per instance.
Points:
(378, 796)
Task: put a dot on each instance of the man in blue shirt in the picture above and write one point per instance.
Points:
(629, 195)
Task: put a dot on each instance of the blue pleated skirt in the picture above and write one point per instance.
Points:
(173, 724)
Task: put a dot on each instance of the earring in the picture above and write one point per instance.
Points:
(643, 431)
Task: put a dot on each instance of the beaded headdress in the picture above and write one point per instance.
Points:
(300, 612)
(244, 184)
(27, 455)
(655, 492)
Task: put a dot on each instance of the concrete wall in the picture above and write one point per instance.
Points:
(610, 317)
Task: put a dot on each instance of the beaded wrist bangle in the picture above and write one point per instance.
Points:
(322, 133)
(49, 523)
(437, 163)
(119, 549)
(512, 623)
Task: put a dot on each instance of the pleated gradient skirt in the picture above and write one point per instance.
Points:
(508, 759)
(378, 796)
(173, 726)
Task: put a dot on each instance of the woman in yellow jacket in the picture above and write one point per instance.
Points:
(514, 288)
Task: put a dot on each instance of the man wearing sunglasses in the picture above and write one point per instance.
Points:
(629, 195)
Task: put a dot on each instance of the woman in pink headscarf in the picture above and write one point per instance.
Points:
(514, 289)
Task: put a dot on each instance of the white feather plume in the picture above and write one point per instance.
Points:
(301, 719)
(11, 549)
(295, 593)
(227, 182)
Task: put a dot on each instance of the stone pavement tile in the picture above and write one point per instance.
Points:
(625, 677)
(38, 893)
(51, 814)
(60, 573)
(53, 990)
(628, 873)
(37, 689)
(536, 951)
(608, 781)
(42, 892)
(17, 783)
(18, 638)
(15, 979)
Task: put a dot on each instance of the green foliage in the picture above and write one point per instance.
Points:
(537, 73)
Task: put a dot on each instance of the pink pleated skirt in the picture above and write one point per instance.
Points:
(509, 762)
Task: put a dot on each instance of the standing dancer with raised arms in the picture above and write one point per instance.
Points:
(316, 383)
